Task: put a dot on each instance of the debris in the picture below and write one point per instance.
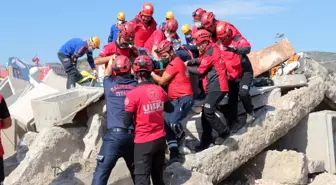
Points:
(24, 145)
(265, 59)
(93, 136)
(324, 179)
(290, 81)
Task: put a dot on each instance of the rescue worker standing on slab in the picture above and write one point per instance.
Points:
(118, 140)
(122, 46)
(235, 49)
(146, 104)
(180, 94)
(144, 25)
(71, 51)
(212, 67)
(169, 15)
(168, 32)
(187, 33)
(115, 27)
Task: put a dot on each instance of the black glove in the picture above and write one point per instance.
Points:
(231, 49)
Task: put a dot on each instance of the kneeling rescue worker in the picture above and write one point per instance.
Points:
(144, 25)
(213, 69)
(69, 54)
(122, 46)
(118, 140)
(180, 94)
(146, 104)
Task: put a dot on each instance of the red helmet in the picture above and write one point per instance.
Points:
(147, 9)
(126, 31)
(201, 35)
(222, 29)
(143, 63)
(163, 47)
(207, 19)
(121, 64)
(171, 25)
(197, 14)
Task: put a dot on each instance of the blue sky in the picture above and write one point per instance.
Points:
(41, 27)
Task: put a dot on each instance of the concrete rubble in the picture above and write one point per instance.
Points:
(324, 179)
(273, 122)
(24, 144)
(290, 81)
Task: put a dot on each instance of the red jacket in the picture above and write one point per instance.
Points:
(213, 68)
(234, 60)
(142, 31)
(156, 37)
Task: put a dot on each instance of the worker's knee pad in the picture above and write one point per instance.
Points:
(243, 92)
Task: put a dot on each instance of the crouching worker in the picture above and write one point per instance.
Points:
(212, 67)
(235, 49)
(146, 104)
(180, 94)
(71, 51)
(118, 140)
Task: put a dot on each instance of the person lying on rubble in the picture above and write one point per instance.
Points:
(5, 123)
(118, 140)
(145, 105)
(122, 46)
(144, 25)
(212, 67)
(180, 94)
(168, 32)
(236, 48)
(115, 27)
(71, 51)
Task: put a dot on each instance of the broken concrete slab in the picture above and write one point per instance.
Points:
(314, 136)
(290, 81)
(96, 129)
(287, 167)
(265, 59)
(315, 166)
(56, 81)
(331, 88)
(52, 147)
(324, 179)
(5, 88)
(272, 122)
(185, 177)
(61, 108)
(254, 91)
(17, 84)
(22, 109)
(313, 68)
(24, 144)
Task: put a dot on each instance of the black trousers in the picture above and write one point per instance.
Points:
(2, 170)
(209, 118)
(149, 160)
(70, 69)
(238, 88)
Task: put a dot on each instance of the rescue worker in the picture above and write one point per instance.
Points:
(180, 93)
(211, 66)
(118, 140)
(240, 72)
(197, 15)
(5, 123)
(71, 51)
(187, 33)
(169, 15)
(121, 46)
(144, 25)
(115, 27)
(168, 32)
(146, 104)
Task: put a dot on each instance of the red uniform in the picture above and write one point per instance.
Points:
(233, 60)
(154, 39)
(147, 102)
(213, 67)
(180, 84)
(142, 31)
(194, 29)
(111, 49)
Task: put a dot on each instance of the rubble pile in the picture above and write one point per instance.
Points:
(57, 133)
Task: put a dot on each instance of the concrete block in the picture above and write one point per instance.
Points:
(324, 179)
(5, 88)
(22, 110)
(315, 166)
(290, 81)
(315, 137)
(17, 84)
(272, 123)
(52, 147)
(56, 81)
(60, 108)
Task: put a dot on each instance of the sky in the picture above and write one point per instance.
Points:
(40, 27)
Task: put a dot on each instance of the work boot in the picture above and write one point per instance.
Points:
(250, 118)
